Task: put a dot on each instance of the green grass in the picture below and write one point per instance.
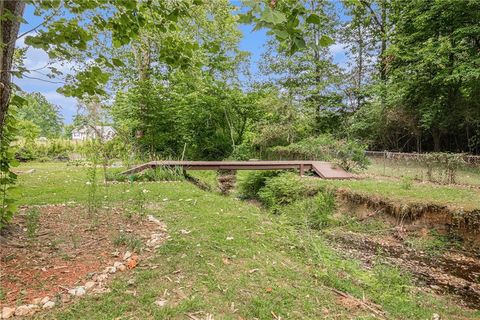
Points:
(415, 170)
(467, 198)
(238, 261)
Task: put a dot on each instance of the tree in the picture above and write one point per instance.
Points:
(435, 71)
(42, 113)
(309, 76)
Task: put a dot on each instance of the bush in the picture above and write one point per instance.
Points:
(157, 174)
(249, 186)
(284, 189)
(281, 190)
(348, 154)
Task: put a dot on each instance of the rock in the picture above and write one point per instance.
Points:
(101, 290)
(100, 277)
(127, 255)
(131, 282)
(80, 291)
(89, 285)
(161, 303)
(72, 292)
(112, 270)
(153, 219)
(48, 305)
(44, 300)
(436, 316)
(7, 312)
(117, 264)
(36, 300)
(26, 310)
(122, 267)
(66, 298)
(155, 239)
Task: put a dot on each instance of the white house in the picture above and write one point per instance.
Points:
(88, 133)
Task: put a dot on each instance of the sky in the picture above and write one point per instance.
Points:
(252, 41)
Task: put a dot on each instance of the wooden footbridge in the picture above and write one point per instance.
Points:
(325, 170)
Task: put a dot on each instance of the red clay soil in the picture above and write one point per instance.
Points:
(69, 245)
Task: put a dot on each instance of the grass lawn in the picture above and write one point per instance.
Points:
(460, 197)
(232, 260)
(415, 170)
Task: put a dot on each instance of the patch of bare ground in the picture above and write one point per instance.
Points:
(415, 216)
(454, 270)
(66, 248)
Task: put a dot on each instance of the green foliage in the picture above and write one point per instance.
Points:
(42, 114)
(283, 189)
(32, 221)
(157, 174)
(8, 178)
(406, 183)
(312, 212)
(131, 242)
(250, 185)
(349, 154)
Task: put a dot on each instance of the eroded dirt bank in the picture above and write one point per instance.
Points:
(454, 270)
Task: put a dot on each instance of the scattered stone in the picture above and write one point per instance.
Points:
(100, 277)
(48, 305)
(36, 300)
(122, 267)
(101, 290)
(66, 298)
(89, 285)
(183, 231)
(161, 303)
(436, 316)
(154, 220)
(132, 262)
(45, 300)
(155, 239)
(80, 291)
(7, 312)
(26, 310)
(131, 282)
(112, 270)
(127, 255)
(229, 238)
(117, 264)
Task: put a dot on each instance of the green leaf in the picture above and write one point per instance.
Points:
(325, 41)
(18, 101)
(313, 19)
(281, 34)
(299, 42)
(272, 16)
(117, 62)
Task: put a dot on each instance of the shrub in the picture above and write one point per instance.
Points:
(348, 154)
(251, 184)
(284, 189)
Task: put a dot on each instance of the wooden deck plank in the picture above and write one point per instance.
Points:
(323, 169)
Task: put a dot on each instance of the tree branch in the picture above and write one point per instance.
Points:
(374, 15)
(45, 80)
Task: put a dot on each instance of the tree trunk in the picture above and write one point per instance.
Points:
(436, 139)
(9, 32)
